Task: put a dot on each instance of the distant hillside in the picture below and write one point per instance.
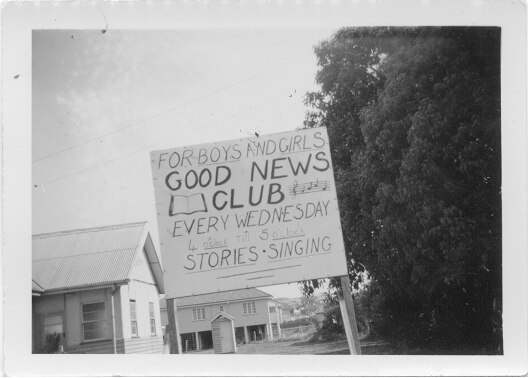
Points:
(292, 302)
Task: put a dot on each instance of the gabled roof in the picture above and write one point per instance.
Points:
(91, 257)
(223, 314)
(219, 297)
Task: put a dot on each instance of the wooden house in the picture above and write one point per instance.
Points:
(97, 290)
(249, 309)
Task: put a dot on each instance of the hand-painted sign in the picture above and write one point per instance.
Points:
(246, 213)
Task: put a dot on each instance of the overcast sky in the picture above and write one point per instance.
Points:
(103, 101)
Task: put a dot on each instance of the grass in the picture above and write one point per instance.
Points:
(294, 347)
(296, 344)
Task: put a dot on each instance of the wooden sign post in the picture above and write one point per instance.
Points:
(174, 334)
(346, 305)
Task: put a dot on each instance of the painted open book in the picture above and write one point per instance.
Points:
(182, 204)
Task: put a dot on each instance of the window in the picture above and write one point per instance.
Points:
(152, 319)
(198, 313)
(222, 308)
(94, 322)
(272, 309)
(249, 308)
(133, 318)
(52, 324)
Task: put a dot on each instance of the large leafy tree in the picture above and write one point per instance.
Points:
(413, 116)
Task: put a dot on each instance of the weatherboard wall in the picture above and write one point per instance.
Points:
(141, 288)
(187, 324)
(70, 306)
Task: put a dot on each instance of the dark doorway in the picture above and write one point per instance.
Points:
(257, 332)
(188, 341)
(206, 339)
(239, 335)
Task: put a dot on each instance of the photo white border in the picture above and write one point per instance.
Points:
(18, 20)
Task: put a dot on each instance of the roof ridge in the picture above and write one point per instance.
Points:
(88, 229)
(222, 296)
(227, 291)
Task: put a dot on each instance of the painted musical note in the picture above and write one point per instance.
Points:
(294, 188)
(308, 187)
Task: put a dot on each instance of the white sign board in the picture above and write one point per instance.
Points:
(246, 213)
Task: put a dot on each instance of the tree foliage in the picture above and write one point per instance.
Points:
(413, 117)
(308, 306)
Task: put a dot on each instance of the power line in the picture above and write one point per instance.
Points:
(150, 146)
(158, 143)
(158, 114)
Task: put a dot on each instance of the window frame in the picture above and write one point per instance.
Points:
(249, 308)
(196, 312)
(152, 317)
(133, 321)
(104, 320)
(43, 324)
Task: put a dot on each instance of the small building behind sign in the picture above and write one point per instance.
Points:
(223, 333)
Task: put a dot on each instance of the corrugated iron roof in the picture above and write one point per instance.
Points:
(222, 296)
(85, 257)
